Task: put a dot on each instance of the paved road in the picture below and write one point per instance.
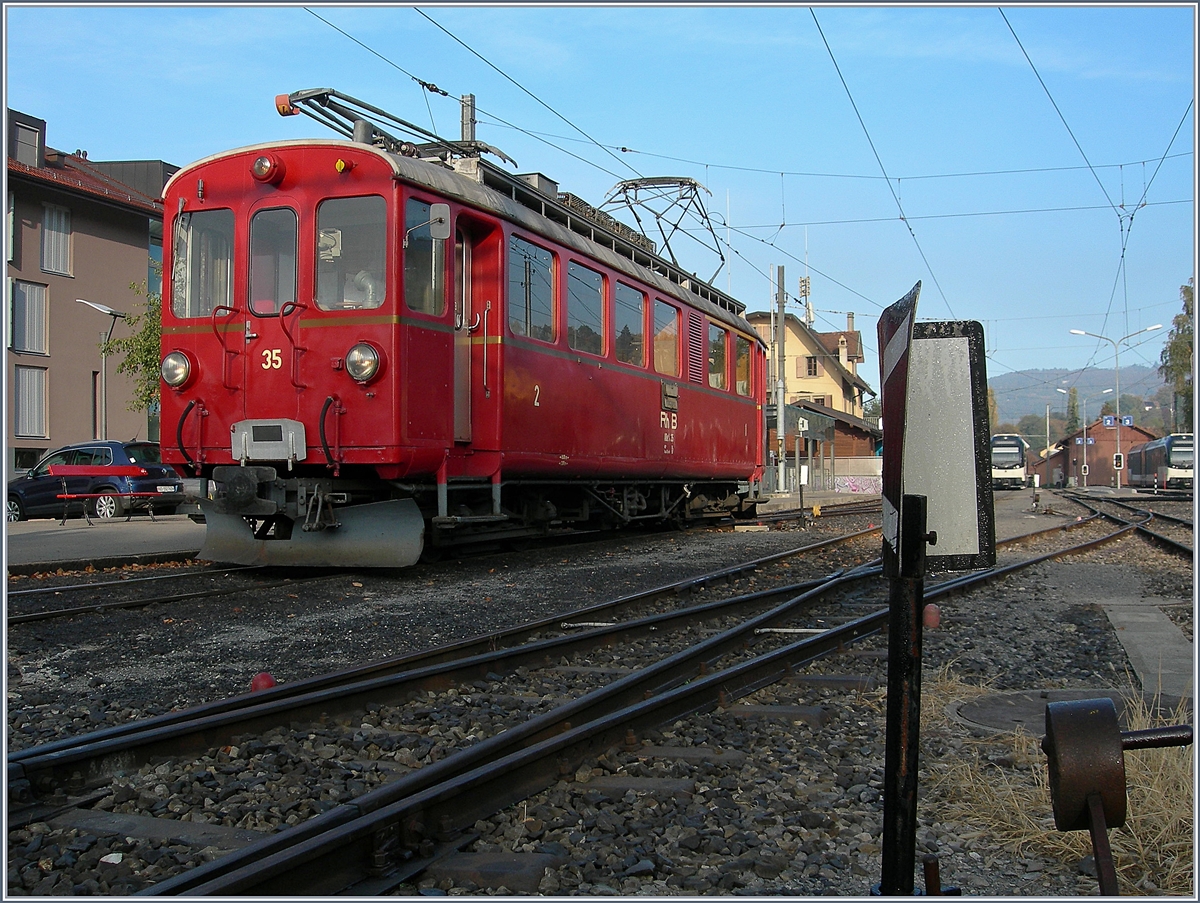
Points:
(44, 544)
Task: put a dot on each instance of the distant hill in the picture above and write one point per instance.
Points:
(1029, 391)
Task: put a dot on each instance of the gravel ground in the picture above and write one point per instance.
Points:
(801, 815)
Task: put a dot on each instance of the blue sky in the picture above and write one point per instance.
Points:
(1021, 201)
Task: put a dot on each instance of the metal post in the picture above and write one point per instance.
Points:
(468, 117)
(906, 602)
(781, 378)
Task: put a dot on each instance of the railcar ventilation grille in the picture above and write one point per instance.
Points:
(696, 360)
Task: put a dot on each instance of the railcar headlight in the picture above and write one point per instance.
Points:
(362, 362)
(267, 168)
(176, 368)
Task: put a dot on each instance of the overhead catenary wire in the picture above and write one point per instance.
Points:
(513, 81)
(434, 89)
(879, 160)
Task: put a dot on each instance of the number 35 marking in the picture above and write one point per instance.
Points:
(271, 359)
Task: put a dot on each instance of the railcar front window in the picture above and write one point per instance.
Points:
(424, 262)
(272, 260)
(351, 252)
(202, 263)
(716, 357)
(1006, 457)
(530, 290)
(741, 371)
(585, 309)
(631, 328)
(666, 338)
(1182, 455)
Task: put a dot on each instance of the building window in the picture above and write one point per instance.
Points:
(25, 144)
(29, 318)
(631, 329)
(666, 338)
(29, 402)
(56, 240)
(154, 268)
(810, 364)
(530, 290)
(585, 309)
(12, 228)
(717, 355)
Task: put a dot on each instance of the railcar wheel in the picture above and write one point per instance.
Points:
(14, 512)
(108, 506)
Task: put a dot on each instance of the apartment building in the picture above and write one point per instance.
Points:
(76, 229)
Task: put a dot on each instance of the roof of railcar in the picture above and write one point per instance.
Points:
(478, 184)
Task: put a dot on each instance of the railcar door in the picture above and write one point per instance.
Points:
(465, 321)
(271, 309)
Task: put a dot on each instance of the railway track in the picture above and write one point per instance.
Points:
(410, 816)
(44, 603)
(1156, 518)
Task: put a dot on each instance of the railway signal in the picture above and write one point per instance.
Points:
(936, 473)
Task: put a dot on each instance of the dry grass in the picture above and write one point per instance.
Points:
(999, 787)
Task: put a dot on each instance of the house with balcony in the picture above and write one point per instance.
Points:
(76, 229)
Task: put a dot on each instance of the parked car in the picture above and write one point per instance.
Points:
(35, 493)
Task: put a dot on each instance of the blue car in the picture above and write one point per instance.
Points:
(35, 494)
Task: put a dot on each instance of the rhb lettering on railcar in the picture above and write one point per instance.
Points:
(668, 420)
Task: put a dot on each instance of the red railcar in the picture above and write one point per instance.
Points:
(368, 351)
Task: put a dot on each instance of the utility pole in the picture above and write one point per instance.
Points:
(780, 371)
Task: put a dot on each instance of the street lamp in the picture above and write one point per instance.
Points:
(1085, 426)
(116, 315)
(1117, 368)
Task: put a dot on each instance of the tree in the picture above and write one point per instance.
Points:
(872, 410)
(1175, 362)
(142, 348)
(1072, 410)
(993, 414)
(1032, 428)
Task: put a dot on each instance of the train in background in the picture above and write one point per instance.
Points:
(1164, 463)
(375, 348)
(1009, 457)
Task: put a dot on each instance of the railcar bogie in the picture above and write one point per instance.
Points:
(370, 350)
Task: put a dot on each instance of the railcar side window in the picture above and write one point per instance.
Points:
(203, 263)
(272, 260)
(424, 262)
(631, 328)
(666, 338)
(351, 251)
(530, 290)
(741, 365)
(717, 375)
(585, 309)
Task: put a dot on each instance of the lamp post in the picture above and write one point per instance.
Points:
(1085, 428)
(1117, 369)
(116, 315)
